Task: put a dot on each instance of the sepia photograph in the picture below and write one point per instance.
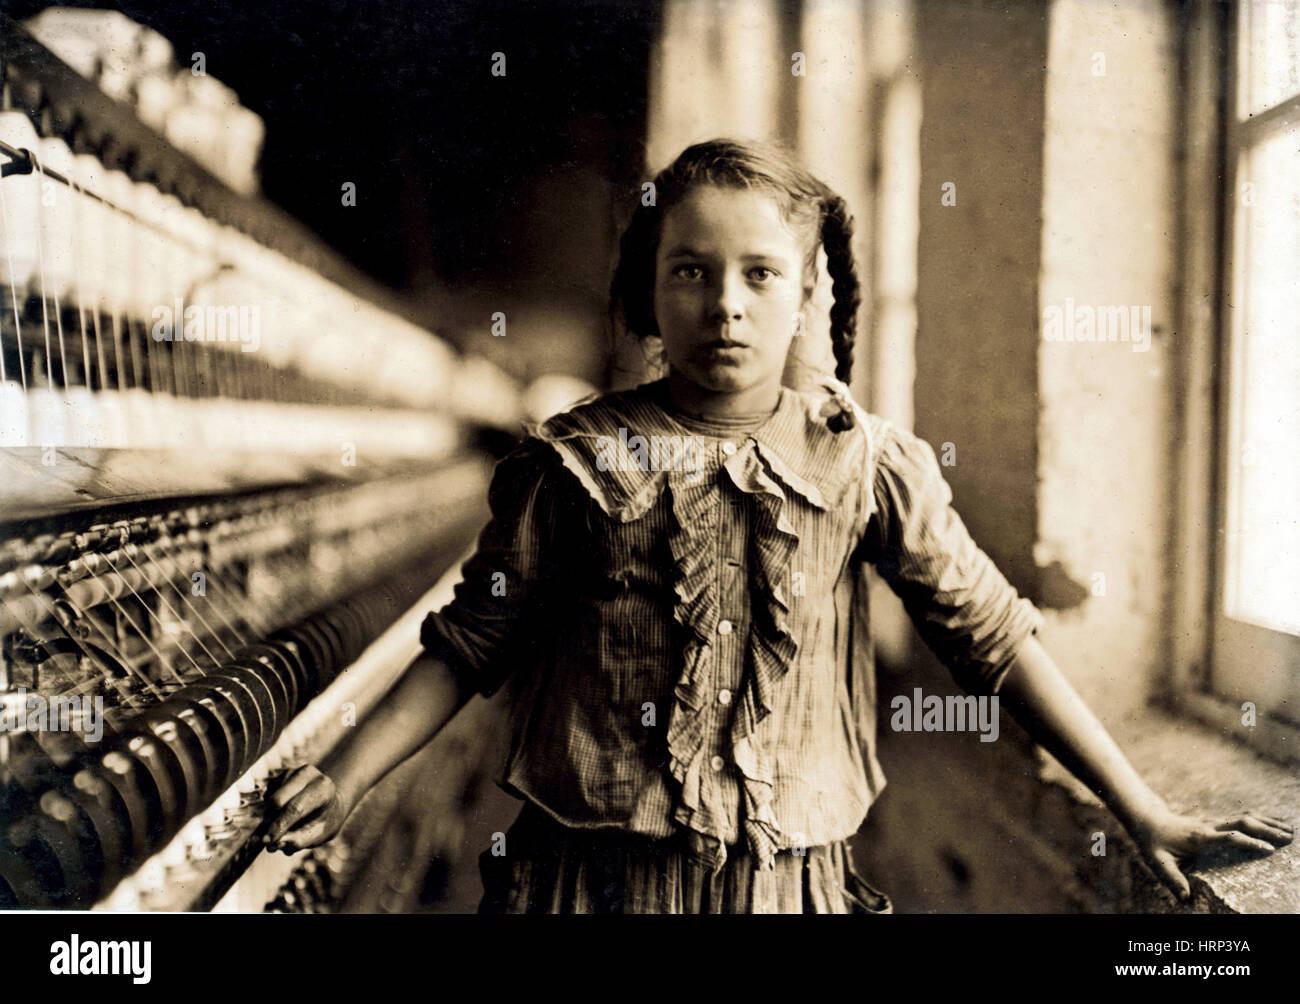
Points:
(476, 457)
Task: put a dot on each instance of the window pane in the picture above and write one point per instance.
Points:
(1269, 51)
(1263, 566)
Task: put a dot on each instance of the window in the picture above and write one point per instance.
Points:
(1255, 636)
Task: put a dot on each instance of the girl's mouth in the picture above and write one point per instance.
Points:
(730, 353)
(726, 345)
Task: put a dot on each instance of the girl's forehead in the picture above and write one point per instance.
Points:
(709, 216)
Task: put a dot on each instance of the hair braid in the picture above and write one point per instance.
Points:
(631, 287)
(846, 291)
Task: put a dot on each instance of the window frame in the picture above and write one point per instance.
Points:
(1205, 638)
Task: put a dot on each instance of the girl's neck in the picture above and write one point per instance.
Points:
(690, 399)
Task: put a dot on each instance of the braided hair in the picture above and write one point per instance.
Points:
(807, 205)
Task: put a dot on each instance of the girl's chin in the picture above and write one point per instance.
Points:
(724, 378)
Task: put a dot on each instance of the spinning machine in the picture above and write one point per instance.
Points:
(233, 472)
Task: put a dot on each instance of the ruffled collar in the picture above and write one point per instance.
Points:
(597, 439)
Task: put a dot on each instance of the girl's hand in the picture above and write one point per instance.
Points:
(1165, 838)
(308, 810)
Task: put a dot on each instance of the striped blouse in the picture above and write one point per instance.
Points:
(684, 611)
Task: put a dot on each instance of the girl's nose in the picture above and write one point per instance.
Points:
(726, 306)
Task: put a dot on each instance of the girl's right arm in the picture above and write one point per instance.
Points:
(312, 803)
(467, 650)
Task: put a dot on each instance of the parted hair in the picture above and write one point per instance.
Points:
(808, 206)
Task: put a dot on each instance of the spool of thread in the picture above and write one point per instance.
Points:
(120, 244)
(91, 239)
(58, 221)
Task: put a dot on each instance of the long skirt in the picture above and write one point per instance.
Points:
(546, 867)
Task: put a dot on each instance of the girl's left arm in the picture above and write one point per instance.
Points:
(1042, 700)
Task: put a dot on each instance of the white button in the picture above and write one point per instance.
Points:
(717, 763)
(724, 627)
(724, 696)
(728, 447)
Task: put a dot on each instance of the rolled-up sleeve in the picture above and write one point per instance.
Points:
(476, 633)
(965, 610)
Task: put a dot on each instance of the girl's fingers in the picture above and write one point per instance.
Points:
(1254, 825)
(1283, 827)
(308, 835)
(1281, 824)
(292, 785)
(1239, 841)
(294, 840)
(1166, 869)
(314, 797)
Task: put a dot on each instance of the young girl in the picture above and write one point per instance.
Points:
(674, 575)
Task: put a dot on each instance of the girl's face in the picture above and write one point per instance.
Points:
(728, 289)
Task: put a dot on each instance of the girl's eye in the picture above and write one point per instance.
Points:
(688, 271)
(762, 273)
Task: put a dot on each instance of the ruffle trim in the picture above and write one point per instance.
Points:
(773, 647)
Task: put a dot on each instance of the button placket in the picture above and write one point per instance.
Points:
(732, 594)
(725, 584)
